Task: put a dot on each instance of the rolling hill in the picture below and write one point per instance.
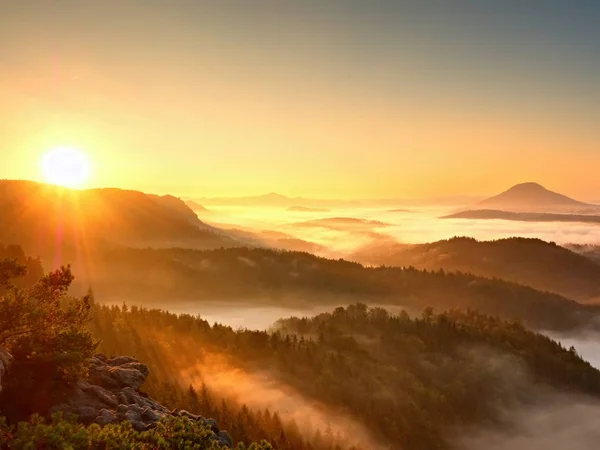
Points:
(60, 224)
(532, 262)
(262, 277)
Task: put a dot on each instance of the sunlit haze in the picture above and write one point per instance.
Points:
(327, 99)
(300, 224)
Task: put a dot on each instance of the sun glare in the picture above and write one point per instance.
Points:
(65, 167)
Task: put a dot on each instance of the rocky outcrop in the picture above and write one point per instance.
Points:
(111, 394)
(5, 360)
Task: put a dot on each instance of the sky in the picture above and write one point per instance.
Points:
(338, 99)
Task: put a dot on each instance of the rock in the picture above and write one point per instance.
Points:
(151, 426)
(133, 416)
(138, 425)
(212, 424)
(189, 415)
(101, 357)
(105, 417)
(149, 414)
(110, 395)
(225, 438)
(5, 360)
(129, 374)
(120, 360)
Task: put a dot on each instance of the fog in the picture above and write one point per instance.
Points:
(417, 225)
(586, 343)
(557, 422)
(259, 389)
(547, 420)
(244, 316)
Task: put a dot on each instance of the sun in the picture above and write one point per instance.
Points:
(65, 167)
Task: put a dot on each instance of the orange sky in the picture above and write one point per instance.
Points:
(191, 99)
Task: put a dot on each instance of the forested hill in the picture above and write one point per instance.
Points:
(60, 223)
(533, 262)
(260, 276)
(412, 383)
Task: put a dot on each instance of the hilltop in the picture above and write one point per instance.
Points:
(55, 222)
(533, 262)
(532, 197)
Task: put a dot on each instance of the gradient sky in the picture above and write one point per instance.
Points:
(314, 98)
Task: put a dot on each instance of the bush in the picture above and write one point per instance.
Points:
(173, 433)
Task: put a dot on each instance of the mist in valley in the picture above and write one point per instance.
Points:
(416, 225)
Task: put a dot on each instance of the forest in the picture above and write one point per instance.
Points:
(264, 276)
(356, 378)
(409, 380)
(542, 265)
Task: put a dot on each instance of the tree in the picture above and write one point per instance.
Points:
(45, 330)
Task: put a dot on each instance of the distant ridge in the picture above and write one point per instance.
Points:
(532, 197)
(306, 209)
(532, 262)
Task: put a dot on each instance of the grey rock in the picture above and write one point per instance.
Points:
(151, 415)
(120, 360)
(151, 426)
(111, 394)
(100, 357)
(133, 416)
(189, 415)
(130, 374)
(225, 438)
(105, 417)
(212, 424)
(138, 425)
(104, 395)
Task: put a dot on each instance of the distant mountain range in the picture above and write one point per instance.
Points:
(542, 265)
(306, 209)
(274, 200)
(533, 197)
(341, 223)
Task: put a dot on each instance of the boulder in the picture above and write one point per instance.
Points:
(113, 376)
(225, 438)
(5, 360)
(111, 394)
(105, 417)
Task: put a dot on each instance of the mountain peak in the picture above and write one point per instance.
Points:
(528, 186)
(531, 197)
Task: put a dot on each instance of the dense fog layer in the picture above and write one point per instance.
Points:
(407, 225)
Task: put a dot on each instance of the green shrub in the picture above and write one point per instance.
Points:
(61, 434)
